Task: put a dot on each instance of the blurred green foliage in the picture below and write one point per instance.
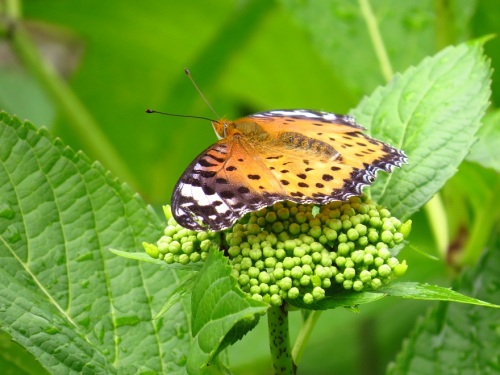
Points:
(120, 58)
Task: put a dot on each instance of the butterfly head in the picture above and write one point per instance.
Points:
(220, 128)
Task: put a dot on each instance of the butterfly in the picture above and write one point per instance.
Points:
(299, 155)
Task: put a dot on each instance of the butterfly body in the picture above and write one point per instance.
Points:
(298, 155)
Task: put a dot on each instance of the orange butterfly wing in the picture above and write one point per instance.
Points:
(215, 190)
(297, 155)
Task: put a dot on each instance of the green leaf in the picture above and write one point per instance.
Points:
(454, 338)
(412, 290)
(222, 313)
(486, 150)
(70, 302)
(432, 113)
(338, 298)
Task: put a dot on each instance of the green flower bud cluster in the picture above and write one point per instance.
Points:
(181, 245)
(289, 250)
(285, 251)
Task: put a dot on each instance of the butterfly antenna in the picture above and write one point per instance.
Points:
(177, 115)
(188, 73)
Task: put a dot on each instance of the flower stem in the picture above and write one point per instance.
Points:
(304, 334)
(279, 341)
(378, 43)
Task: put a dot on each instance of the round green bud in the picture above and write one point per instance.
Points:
(268, 251)
(264, 288)
(246, 263)
(358, 286)
(275, 300)
(300, 217)
(347, 284)
(235, 241)
(278, 273)
(306, 259)
(299, 251)
(398, 237)
(316, 257)
(278, 227)
(326, 283)
(342, 238)
(384, 212)
(346, 224)
(384, 253)
(253, 272)
(255, 254)
(264, 277)
(305, 240)
(183, 259)
(270, 262)
(170, 230)
(373, 236)
(305, 280)
(361, 229)
(169, 258)
(321, 271)
(349, 273)
(340, 261)
(271, 217)
(294, 229)
(195, 257)
(376, 283)
(174, 247)
(257, 297)
(234, 251)
(318, 293)
(330, 234)
(255, 289)
(253, 229)
(335, 224)
(308, 298)
(204, 256)
(317, 247)
(326, 261)
(339, 278)
(290, 246)
(296, 272)
(384, 270)
(392, 262)
(205, 245)
(365, 276)
(280, 254)
(375, 222)
(306, 269)
(386, 236)
(283, 236)
(343, 249)
(362, 242)
(378, 261)
(349, 263)
(293, 293)
(288, 263)
(315, 232)
(358, 256)
(285, 283)
(274, 289)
